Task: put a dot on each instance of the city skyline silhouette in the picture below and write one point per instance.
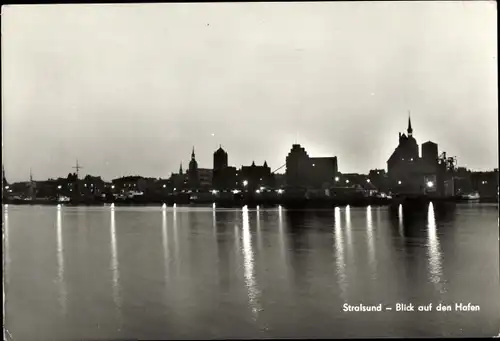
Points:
(119, 88)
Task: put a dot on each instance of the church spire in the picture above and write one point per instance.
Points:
(180, 169)
(410, 130)
(192, 154)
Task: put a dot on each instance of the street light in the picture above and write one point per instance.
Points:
(214, 192)
(347, 181)
(59, 187)
(399, 182)
(368, 180)
(430, 184)
(245, 183)
(336, 178)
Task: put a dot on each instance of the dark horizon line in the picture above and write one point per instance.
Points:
(185, 172)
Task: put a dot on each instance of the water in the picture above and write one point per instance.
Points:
(148, 273)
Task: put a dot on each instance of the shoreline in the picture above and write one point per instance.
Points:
(252, 203)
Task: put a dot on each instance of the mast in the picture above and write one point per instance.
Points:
(77, 167)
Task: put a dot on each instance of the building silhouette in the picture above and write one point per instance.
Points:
(193, 176)
(253, 177)
(409, 173)
(310, 172)
(224, 177)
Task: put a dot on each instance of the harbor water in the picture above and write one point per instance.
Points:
(167, 273)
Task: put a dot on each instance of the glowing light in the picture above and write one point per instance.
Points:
(59, 187)
(280, 191)
(337, 178)
(399, 182)
(314, 165)
(7, 187)
(112, 186)
(347, 181)
(262, 188)
(430, 184)
(245, 183)
(235, 191)
(257, 191)
(214, 192)
(164, 206)
(175, 189)
(164, 186)
(368, 180)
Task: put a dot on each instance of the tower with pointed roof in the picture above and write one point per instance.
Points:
(409, 130)
(193, 178)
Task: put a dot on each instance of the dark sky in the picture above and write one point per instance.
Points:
(130, 89)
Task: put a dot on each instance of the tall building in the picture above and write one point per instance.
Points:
(430, 152)
(298, 167)
(323, 171)
(405, 155)
(193, 176)
(305, 171)
(408, 173)
(223, 176)
(220, 159)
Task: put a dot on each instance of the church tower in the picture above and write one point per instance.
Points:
(409, 130)
(193, 172)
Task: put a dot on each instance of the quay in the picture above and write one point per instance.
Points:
(251, 201)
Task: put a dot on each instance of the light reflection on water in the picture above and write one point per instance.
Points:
(247, 290)
(339, 254)
(400, 220)
(114, 261)
(248, 256)
(434, 252)
(348, 230)
(371, 242)
(60, 262)
(164, 234)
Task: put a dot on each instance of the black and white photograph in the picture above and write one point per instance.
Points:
(250, 170)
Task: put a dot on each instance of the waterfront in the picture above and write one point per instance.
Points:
(148, 272)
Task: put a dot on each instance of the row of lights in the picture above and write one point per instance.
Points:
(236, 191)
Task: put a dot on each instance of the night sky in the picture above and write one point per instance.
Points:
(130, 89)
